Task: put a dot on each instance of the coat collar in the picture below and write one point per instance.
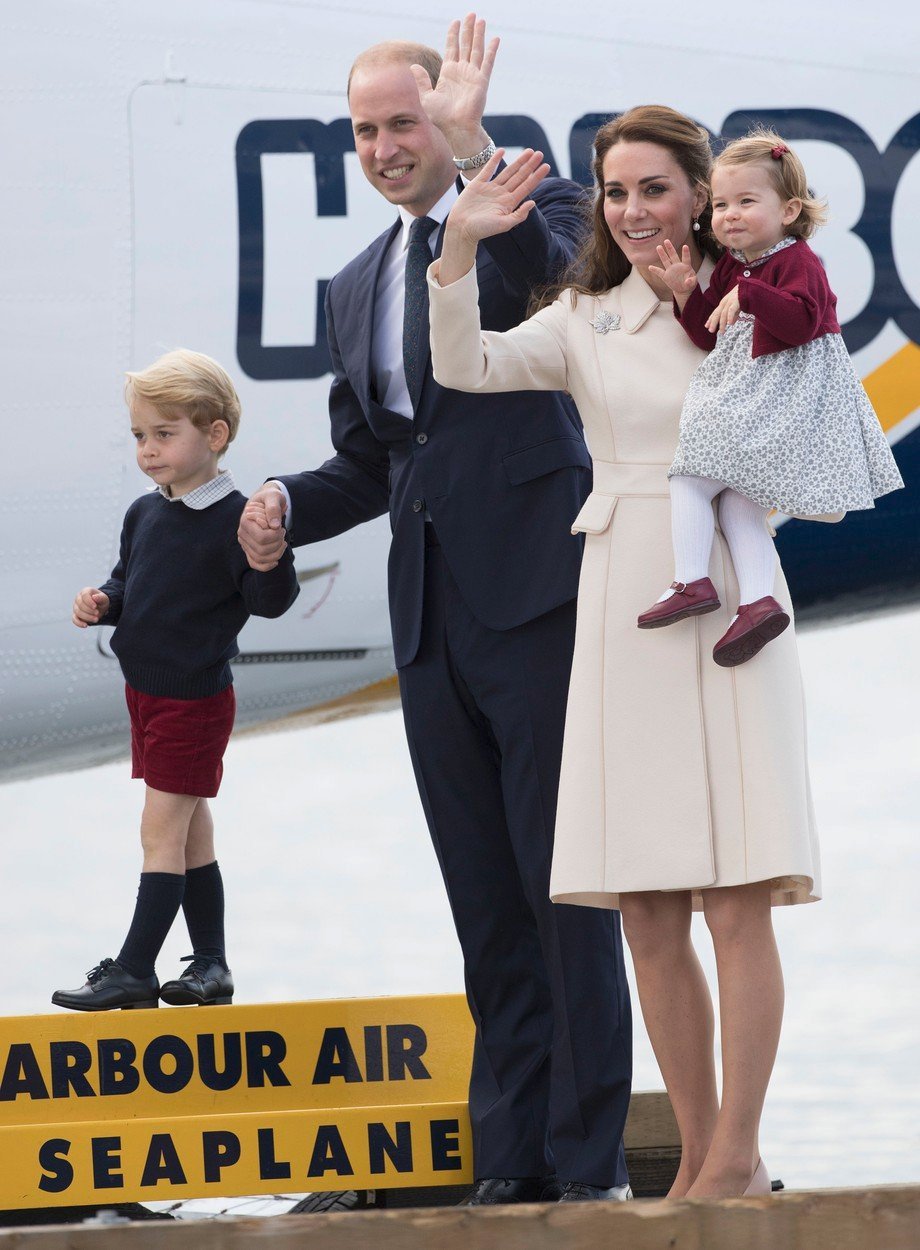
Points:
(638, 301)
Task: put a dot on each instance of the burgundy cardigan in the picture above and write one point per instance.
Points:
(788, 295)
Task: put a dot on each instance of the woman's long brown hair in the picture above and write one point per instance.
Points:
(600, 263)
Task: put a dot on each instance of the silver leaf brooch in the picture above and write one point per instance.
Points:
(604, 322)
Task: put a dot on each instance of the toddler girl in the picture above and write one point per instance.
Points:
(775, 417)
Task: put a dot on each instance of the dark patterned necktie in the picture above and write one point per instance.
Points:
(418, 258)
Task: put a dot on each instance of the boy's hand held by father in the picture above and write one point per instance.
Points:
(261, 531)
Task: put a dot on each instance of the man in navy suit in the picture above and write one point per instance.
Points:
(483, 572)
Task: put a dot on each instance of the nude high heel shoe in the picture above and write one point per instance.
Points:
(759, 1183)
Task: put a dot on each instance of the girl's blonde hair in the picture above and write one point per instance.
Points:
(787, 173)
(191, 383)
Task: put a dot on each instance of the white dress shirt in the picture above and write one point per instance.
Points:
(387, 371)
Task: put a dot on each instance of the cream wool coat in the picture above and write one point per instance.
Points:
(676, 774)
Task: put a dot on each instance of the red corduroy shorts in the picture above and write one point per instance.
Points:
(177, 745)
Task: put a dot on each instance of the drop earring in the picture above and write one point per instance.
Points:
(696, 224)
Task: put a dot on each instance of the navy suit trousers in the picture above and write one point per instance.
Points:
(484, 712)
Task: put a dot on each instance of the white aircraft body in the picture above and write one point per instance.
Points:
(182, 174)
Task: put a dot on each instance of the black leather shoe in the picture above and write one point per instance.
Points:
(324, 1201)
(578, 1191)
(493, 1191)
(107, 987)
(205, 982)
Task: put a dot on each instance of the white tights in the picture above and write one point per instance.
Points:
(743, 524)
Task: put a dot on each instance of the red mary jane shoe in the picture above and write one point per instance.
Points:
(689, 599)
(757, 624)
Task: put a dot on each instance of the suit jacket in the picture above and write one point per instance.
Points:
(502, 476)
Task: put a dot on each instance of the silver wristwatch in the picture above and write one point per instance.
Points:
(466, 163)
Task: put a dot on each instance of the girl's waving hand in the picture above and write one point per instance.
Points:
(675, 271)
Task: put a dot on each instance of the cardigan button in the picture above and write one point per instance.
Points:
(746, 274)
(421, 439)
(417, 505)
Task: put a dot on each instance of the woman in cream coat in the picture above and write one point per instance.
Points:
(684, 785)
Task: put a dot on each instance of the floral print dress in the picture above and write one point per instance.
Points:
(793, 430)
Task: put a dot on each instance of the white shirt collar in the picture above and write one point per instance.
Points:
(438, 212)
(204, 495)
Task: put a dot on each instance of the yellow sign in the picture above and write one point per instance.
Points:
(122, 1106)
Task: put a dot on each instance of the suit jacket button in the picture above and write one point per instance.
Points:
(421, 439)
(417, 505)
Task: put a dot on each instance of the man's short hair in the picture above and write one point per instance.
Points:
(398, 52)
(189, 384)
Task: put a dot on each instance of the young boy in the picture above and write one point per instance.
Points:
(178, 596)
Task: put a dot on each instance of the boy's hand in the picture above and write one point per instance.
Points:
(676, 272)
(89, 607)
(261, 534)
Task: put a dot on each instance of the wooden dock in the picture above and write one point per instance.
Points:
(883, 1218)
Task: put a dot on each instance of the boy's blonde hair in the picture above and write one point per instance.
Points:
(190, 384)
(787, 173)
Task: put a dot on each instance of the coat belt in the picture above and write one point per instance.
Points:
(616, 478)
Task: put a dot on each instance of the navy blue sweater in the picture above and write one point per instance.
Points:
(182, 591)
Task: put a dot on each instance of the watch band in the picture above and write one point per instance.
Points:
(477, 161)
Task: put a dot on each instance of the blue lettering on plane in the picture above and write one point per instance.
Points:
(328, 143)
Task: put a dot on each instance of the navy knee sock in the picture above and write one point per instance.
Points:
(203, 905)
(159, 898)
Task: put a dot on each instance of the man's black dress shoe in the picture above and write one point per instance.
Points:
(578, 1191)
(107, 987)
(207, 980)
(493, 1191)
(347, 1200)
